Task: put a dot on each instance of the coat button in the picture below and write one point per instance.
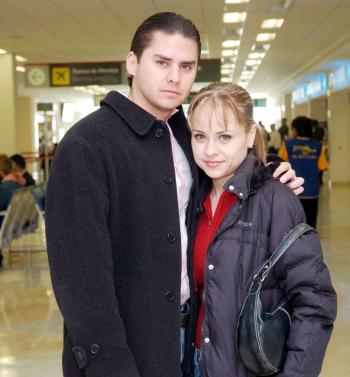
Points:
(167, 179)
(231, 187)
(206, 340)
(80, 356)
(171, 237)
(211, 267)
(94, 349)
(159, 133)
(170, 296)
(241, 195)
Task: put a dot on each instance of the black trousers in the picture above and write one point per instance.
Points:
(311, 209)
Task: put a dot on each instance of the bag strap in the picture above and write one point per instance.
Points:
(292, 236)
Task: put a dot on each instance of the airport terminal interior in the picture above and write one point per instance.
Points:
(58, 59)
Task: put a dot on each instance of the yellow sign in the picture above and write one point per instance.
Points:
(60, 76)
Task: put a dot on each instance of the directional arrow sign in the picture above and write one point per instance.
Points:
(37, 76)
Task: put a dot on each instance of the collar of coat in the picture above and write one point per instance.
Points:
(250, 175)
(139, 120)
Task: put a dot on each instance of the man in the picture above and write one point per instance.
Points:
(284, 130)
(23, 176)
(120, 214)
(274, 143)
(308, 158)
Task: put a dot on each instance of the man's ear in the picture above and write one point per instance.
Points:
(131, 63)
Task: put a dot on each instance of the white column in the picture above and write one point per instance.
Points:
(339, 136)
(8, 108)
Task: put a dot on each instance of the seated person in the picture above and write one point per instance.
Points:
(7, 186)
(24, 178)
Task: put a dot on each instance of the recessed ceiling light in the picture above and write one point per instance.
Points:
(226, 71)
(225, 79)
(272, 23)
(235, 17)
(236, 1)
(20, 59)
(231, 43)
(256, 55)
(265, 37)
(3, 51)
(228, 66)
(20, 69)
(205, 52)
(229, 52)
(252, 62)
(261, 47)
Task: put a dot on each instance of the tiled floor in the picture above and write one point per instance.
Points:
(31, 325)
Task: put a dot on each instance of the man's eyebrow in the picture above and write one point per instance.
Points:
(162, 57)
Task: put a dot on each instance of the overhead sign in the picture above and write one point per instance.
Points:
(209, 70)
(85, 74)
(299, 95)
(37, 76)
(316, 87)
(340, 77)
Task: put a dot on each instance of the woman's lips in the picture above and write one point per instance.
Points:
(213, 164)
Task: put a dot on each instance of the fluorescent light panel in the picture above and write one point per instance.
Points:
(20, 69)
(20, 59)
(225, 79)
(265, 37)
(229, 52)
(234, 17)
(272, 23)
(252, 62)
(256, 55)
(3, 51)
(236, 1)
(231, 43)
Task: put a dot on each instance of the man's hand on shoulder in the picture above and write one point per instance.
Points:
(286, 175)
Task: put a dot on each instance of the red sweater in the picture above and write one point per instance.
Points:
(206, 230)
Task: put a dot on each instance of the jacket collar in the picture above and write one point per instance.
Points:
(251, 174)
(138, 119)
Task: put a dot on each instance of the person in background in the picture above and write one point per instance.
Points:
(244, 214)
(308, 158)
(274, 143)
(120, 211)
(265, 134)
(319, 133)
(8, 186)
(284, 130)
(24, 178)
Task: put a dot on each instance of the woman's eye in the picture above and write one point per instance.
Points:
(198, 136)
(225, 137)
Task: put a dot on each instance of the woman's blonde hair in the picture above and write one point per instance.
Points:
(230, 98)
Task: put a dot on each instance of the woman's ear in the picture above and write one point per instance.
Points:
(131, 63)
(251, 135)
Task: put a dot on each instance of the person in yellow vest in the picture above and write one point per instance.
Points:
(308, 158)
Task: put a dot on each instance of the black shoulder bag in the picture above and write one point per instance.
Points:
(261, 336)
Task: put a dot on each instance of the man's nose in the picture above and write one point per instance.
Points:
(174, 75)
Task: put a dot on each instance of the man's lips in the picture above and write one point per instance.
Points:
(171, 92)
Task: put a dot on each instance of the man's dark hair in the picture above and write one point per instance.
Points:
(19, 160)
(167, 22)
(303, 126)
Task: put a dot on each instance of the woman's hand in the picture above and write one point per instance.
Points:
(286, 175)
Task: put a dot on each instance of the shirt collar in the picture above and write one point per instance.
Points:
(138, 119)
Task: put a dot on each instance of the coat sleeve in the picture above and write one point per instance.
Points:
(81, 263)
(306, 282)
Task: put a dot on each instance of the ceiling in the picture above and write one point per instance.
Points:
(315, 33)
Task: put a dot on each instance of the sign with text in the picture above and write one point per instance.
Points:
(85, 74)
(208, 70)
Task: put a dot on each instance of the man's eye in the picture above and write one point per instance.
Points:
(187, 67)
(162, 62)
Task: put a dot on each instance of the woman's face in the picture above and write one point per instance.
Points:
(219, 149)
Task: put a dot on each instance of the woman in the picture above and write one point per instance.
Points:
(245, 215)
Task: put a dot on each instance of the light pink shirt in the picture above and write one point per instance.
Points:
(183, 187)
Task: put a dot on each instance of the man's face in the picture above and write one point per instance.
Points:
(163, 76)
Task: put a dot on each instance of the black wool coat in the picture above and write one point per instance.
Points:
(113, 240)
